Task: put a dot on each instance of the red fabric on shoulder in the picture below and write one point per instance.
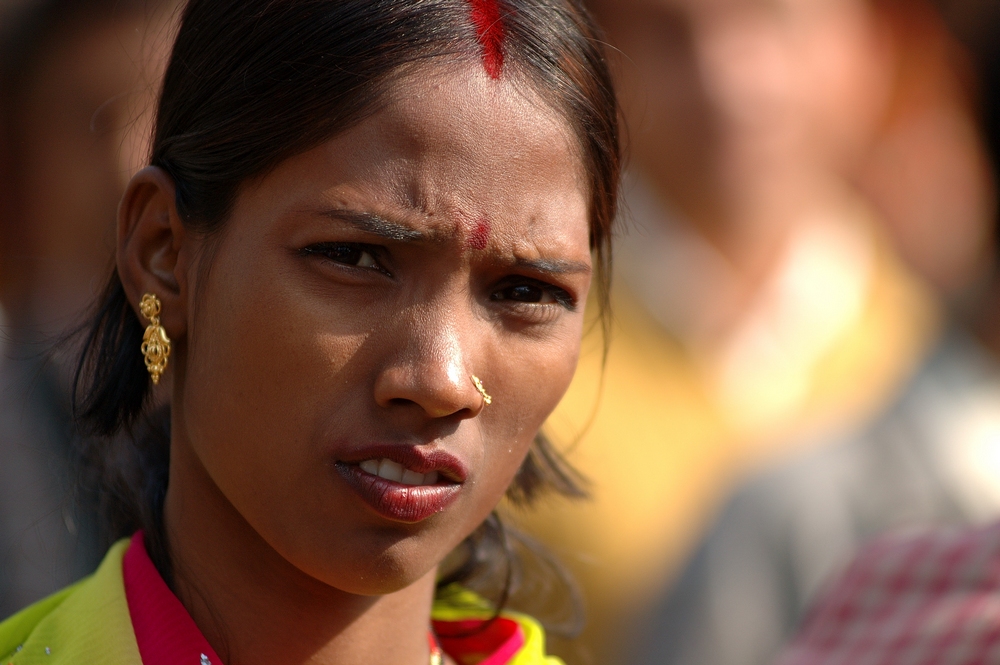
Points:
(479, 642)
(165, 632)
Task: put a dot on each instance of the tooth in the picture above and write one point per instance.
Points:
(412, 478)
(430, 478)
(370, 466)
(390, 470)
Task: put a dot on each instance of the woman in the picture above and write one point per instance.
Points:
(361, 255)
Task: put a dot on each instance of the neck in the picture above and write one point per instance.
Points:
(753, 243)
(765, 211)
(253, 606)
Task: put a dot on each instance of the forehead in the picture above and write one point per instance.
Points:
(451, 146)
(460, 123)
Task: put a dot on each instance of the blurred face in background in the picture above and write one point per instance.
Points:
(740, 110)
(78, 126)
(720, 94)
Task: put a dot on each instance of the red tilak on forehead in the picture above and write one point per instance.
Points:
(489, 30)
(480, 235)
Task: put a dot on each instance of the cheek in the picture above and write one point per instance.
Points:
(531, 379)
(262, 371)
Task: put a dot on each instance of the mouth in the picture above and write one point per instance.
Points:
(404, 483)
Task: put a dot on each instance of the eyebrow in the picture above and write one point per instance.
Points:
(554, 266)
(384, 228)
(376, 225)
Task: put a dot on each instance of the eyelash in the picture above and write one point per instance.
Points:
(560, 296)
(328, 251)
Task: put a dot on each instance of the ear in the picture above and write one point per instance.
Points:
(152, 255)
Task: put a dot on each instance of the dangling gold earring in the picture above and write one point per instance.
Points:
(155, 343)
(482, 391)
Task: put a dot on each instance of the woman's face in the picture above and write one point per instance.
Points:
(324, 383)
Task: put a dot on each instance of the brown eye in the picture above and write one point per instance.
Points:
(350, 254)
(533, 292)
(525, 293)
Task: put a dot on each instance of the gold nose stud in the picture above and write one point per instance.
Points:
(482, 391)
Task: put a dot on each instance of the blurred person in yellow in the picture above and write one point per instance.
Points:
(762, 296)
(932, 458)
(77, 80)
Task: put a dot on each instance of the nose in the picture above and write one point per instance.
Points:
(430, 370)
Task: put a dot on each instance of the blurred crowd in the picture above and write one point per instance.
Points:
(78, 80)
(805, 349)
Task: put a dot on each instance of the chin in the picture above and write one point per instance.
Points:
(370, 569)
(382, 575)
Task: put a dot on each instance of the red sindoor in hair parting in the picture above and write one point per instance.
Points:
(490, 32)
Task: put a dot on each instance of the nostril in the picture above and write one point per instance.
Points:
(434, 408)
(401, 401)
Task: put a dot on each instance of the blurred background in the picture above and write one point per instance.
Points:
(805, 312)
(806, 331)
(78, 80)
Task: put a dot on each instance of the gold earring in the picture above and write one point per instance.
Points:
(482, 391)
(155, 343)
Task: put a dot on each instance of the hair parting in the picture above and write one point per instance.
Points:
(486, 16)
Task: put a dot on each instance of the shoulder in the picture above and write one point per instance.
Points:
(87, 622)
(863, 480)
(951, 575)
(907, 565)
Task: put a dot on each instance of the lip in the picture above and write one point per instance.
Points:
(405, 503)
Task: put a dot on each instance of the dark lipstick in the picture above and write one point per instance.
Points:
(397, 501)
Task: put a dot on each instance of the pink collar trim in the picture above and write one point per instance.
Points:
(167, 635)
(165, 632)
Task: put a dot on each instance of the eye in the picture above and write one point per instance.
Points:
(347, 253)
(529, 293)
(533, 292)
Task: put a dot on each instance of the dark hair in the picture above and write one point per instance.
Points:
(251, 83)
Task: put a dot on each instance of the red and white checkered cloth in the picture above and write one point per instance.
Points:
(930, 598)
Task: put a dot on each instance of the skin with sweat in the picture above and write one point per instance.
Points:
(344, 306)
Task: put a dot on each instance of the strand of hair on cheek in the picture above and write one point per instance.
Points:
(490, 32)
